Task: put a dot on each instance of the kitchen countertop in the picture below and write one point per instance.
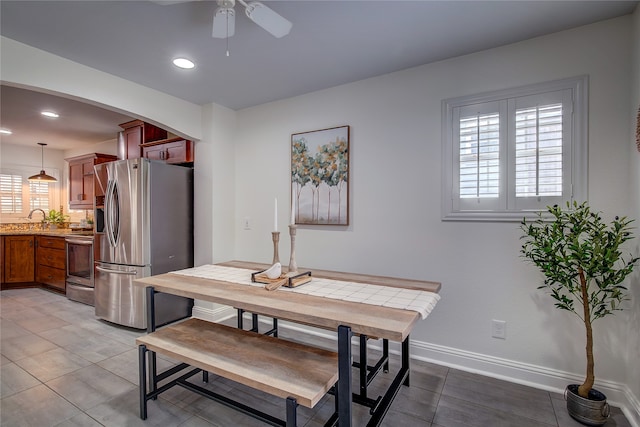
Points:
(61, 232)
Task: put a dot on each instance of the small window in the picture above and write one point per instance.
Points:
(511, 153)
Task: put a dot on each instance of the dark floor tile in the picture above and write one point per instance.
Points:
(26, 345)
(90, 386)
(500, 395)
(37, 406)
(14, 379)
(52, 364)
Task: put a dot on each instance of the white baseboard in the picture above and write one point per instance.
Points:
(517, 372)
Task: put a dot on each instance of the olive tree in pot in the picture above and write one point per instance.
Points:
(584, 270)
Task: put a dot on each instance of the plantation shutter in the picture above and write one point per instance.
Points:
(10, 193)
(539, 151)
(541, 156)
(480, 155)
(39, 195)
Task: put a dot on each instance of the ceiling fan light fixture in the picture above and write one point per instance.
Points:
(42, 176)
(269, 20)
(224, 22)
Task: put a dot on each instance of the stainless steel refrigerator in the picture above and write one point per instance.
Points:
(144, 228)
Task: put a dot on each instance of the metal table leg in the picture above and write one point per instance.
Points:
(343, 388)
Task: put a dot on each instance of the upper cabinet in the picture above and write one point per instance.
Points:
(134, 134)
(81, 182)
(174, 150)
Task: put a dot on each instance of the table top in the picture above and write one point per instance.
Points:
(375, 321)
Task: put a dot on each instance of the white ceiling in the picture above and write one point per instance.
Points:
(331, 43)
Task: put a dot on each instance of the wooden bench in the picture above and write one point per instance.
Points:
(299, 373)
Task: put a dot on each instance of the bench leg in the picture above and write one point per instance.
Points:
(385, 354)
(292, 406)
(240, 318)
(205, 376)
(254, 322)
(153, 373)
(142, 370)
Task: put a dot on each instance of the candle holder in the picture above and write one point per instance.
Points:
(275, 235)
(293, 267)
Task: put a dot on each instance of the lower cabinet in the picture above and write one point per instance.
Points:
(51, 261)
(17, 262)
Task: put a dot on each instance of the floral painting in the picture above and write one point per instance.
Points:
(320, 176)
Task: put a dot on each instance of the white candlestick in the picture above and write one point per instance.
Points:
(275, 215)
(293, 211)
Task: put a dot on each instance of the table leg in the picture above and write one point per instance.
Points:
(343, 388)
(142, 372)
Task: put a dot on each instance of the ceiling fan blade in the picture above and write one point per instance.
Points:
(269, 20)
(224, 23)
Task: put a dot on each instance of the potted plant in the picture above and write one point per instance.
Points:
(55, 218)
(583, 265)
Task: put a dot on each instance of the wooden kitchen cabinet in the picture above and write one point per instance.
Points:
(18, 259)
(134, 134)
(51, 260)
(174, 150)
(81, 179)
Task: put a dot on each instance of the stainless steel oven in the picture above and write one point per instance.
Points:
(79, 278)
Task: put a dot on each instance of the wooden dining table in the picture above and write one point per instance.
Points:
(345, 317)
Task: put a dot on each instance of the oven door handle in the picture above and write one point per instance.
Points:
(80, 242)
(108, 270)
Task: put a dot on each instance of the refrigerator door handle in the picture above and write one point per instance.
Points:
(112, 220)
(110, 271)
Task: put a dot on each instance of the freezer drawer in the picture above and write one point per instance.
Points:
(118, 299)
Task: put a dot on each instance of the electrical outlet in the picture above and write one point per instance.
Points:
(499, 329)
(247, 223)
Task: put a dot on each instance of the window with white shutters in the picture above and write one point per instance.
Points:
(18, 195)
(511, 153)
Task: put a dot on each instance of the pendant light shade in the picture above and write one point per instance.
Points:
(42, 176)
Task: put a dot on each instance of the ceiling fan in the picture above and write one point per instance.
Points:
(224, 18)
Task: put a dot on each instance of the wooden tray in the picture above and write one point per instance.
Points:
(295, 279)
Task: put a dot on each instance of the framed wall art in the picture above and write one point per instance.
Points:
(320, 176)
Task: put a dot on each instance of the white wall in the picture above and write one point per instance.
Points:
(633, 322)
(395, 202)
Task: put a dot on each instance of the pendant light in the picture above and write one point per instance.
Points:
(42, 176)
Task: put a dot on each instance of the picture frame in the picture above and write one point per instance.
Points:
(320, 176)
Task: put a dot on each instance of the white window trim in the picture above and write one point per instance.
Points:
(578, 144)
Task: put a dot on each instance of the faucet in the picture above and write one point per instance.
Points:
(44, 214)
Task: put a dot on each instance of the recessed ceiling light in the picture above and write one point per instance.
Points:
(50, 114)
(5, 131)
(183, 63)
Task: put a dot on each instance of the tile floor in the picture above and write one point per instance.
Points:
(62, 367)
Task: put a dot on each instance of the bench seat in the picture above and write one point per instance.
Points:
(274, 366)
